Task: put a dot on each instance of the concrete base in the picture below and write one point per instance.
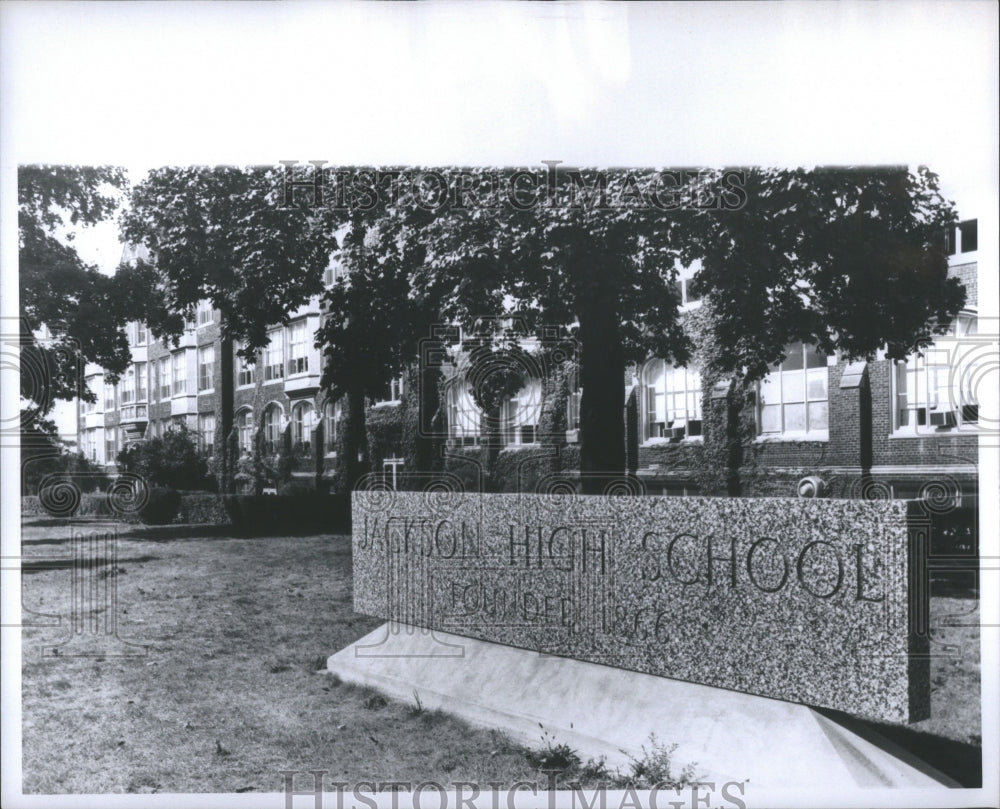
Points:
(600, 710)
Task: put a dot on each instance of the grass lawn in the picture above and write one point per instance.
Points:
(229, 692)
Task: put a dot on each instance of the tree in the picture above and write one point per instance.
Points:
(82, 310)
(223, 234)
(603, 268)
(373, 324)
(849, 260)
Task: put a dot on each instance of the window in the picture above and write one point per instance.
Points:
(90, 407)
(673, 400)
(274, 362)
(138, 334)
(140, 382)
(244, 430)
(573, 406)
(245, 371)
(964, 237)
(302, 427)
(88, 443)
(110, 445)
(206, 428)
(463, 414)
(164, 373)
(934, 393)
(391, 391)
(519, 414)
(206, 368)
(205, 314)
(298, 348)
(109, 396)
(127, 385)
(179, 372)
(332, 414)
(333, 273)
(793, 396)
(272, 429)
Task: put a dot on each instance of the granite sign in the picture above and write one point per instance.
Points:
(811, 601)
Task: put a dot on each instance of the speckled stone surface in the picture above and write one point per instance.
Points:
(809, 601)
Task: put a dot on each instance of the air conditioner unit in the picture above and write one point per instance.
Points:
(811, 486)
(943, 418)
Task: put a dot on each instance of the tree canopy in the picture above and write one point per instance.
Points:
(221, 234)
(850, 260)
(83, 310)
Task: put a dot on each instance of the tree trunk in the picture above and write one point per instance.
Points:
(356, 463)
(602, 375)
(226, 404)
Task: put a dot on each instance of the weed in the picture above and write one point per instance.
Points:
(552, 756)
(653, 768)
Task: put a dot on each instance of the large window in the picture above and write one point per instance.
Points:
(302, 427)
(137, 333)
(274, 356)
(205, 313)
(272, 429)
(673, 400)
(88, 443)
(463, 414)
(298, 348)
(245, 369)
(164, 374)
(244, 430)
(178, 364)
(110, 445)
(140, 382)
(519, 414)
(332, 414)
(127, 386)
(206, 429)
(206, 368)
(794, 395)
(935, 393)
(109, 396)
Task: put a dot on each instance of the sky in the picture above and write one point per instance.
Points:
(148, 84)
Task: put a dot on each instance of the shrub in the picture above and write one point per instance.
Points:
(297, 486)
(199, 507)
(519, 470)
(169, 462)
(161, 507)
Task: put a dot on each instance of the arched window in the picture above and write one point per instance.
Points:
(519, 414)
(244, 430)
(302, 426)
(673, 400)
(272, 428)
(332, 414)
(463, 414)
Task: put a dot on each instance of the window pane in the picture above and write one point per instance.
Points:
(795, 418)
(818, 416)
(769, 389)
(794, 360)
(793, 387)
(815, 359)
(770, 419)
(817, 383)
